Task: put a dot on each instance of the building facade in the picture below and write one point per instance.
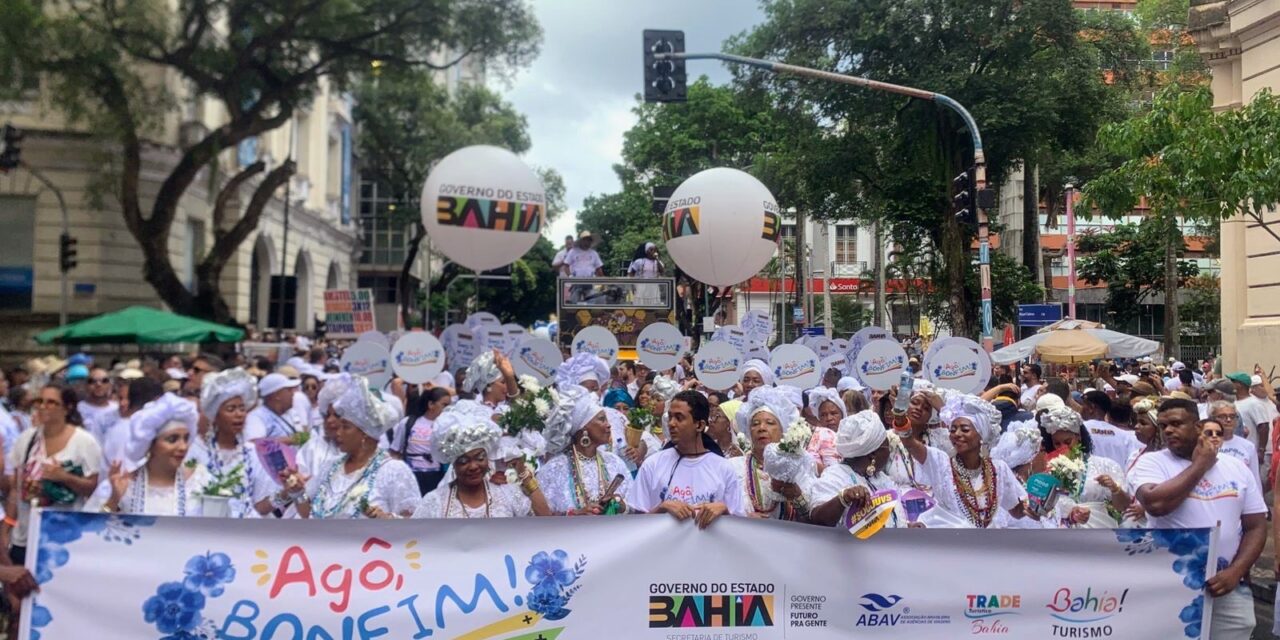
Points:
(270, 282)
(1240, 40)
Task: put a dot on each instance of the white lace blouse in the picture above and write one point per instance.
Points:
(556, 479)
(502, 501)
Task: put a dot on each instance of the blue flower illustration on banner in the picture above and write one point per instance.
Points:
(553, 581)
(174, 608)
(177, 607)
(61, 528)
(1190, 548)
(208, 573)
(40, 618)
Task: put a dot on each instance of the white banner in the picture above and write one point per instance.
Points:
(647, 577)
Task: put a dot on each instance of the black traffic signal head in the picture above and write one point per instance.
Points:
(664, 80)
(66, 252)
(11, 153)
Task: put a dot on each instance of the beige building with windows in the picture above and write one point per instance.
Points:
(265, 281)
(1240, 40)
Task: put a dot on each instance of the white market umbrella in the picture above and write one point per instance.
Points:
(1119, 345)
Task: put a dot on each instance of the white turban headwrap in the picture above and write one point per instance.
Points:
(220, 387)
(848, 383)
(819, 395)
(160, 415)
(372, 415)
(481, 373)
(759, 366)
(984, 416)
(576, 408)
(664, 388)
(580, 368)
(1061, 419)
(333, 389)
(465, 425)
(1019, 444)
(771, 399)
(860, 434)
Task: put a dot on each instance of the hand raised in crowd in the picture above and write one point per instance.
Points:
(119, 479)
(1135, 511)
(1205, 454)
(1106, 481)
(504, 364)
(637, 453)
(855, 497)
(53, 472)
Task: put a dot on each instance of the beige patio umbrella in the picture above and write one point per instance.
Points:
(1070, 347)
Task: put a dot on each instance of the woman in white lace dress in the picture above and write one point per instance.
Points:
(154, 480)
(765, 417)
(577, 478)
(465, 437)
(365, 482)
(225, 399)
(1101, 500)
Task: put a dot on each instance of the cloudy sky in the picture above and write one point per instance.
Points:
(579, 93)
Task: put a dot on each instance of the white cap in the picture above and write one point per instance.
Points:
(1178, 366)
(130, 373)
(1256, 380)
(1129, 378)
(175, 373)
(274, 382)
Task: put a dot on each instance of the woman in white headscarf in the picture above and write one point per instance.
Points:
(1018, 448)
(465, 437)
(225, 400)
(365, 481)
(973, 491)
(1101, 500)
(911, 456)
(577, 478)
(585, 370)
(752, 375)
(863, 444)
(492, 379)
(154, 480)
(322, 449)
(829, 409)
(765, 417)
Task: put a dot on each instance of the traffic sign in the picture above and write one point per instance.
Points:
(1039, 315)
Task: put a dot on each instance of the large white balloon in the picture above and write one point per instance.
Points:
(483, 207)
(721, 226)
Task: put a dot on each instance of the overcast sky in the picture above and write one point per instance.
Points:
(579, 93)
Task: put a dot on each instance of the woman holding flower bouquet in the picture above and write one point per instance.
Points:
(56, 462)
(465, 436)
(578, 479)
(973, 490)
(366, 482)
(767, 417)
(1096, 493)
(863, 445)
(155, 480)
(236, 474)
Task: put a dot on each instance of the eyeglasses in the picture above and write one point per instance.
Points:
(1212, 433)
(1227, 417)
(99, 380)
(42, 402)
(199, 370)
(310, 387)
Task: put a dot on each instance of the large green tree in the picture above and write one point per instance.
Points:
(1130, 260)
(259, 61)
(1020, 66)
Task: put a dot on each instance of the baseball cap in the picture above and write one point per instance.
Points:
(1255, 381)
(77, 372)
(80, 358)
(1223, 386)
(1241, 377)
(1128, 379)
(130, 373)
(584, 234)
(1178, 366)
(274, 382)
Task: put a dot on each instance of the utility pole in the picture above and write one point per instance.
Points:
(881, 301)
(799, 272)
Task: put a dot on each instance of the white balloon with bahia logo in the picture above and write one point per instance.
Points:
(795, 365)
(659, 346)
(483, 207)
(417, 357)
(721, 226)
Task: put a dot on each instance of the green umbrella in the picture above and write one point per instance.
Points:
(140, 325)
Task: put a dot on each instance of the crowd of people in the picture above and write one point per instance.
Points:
(190, 436)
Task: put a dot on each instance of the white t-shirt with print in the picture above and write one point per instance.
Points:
(1226, 492)
(583, 262)
(668, 476)
(97, 418)
(81, 449)
(1244, 451)
(1111, 442)
(1252, 413)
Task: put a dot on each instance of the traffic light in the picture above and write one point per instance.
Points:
(11, 153)
(664, 80)
(962, 202)
(66, 252)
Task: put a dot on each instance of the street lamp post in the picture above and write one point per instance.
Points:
(979, 156)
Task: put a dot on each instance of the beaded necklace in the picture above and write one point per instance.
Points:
(578, 482)
(979, 512)
(322, 508)
(138, 492)
(215, 463)
(754, 488)
(453, 495)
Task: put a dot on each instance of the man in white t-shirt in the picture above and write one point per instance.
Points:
(557, 262)
(1269, 410)
(1225, 414)
(582, 260)
(273, 417)
(1108, 441)
(97, 402)
(1030, 385)
(1255, 421)
(1189, 485)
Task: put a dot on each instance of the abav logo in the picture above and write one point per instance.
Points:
(880, 610)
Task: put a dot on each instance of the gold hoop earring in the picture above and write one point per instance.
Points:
(585, 440)
(871, 469)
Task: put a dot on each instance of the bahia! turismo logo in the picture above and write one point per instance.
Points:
(888, 610)
(987, 612)
(1087, 614)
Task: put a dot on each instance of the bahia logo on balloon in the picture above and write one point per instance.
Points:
(362, 367)
(772, 224)
(535, 361)
(681, 221)
(793, 369)
(494, 214)
(595, 348)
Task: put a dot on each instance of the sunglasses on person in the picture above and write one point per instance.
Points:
(1213, 432)
(99, 380)
(310, 387)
